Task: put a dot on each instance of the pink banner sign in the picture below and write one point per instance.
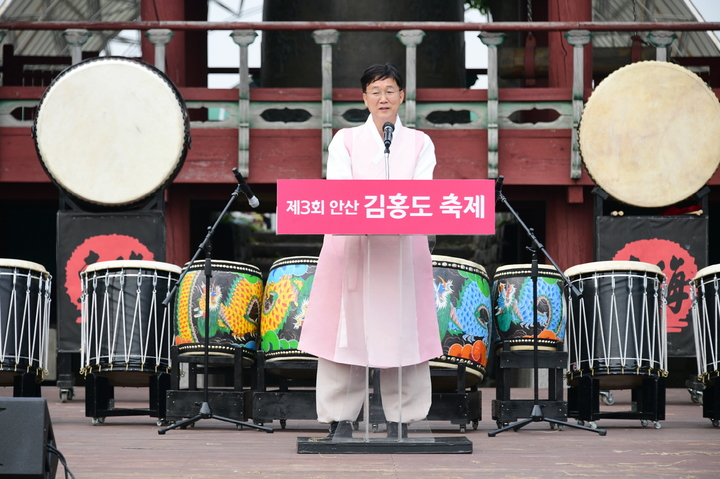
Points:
(382, 207)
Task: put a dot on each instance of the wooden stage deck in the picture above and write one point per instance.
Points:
(687, 446)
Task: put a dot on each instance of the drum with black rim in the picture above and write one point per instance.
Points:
(111, 131)
(234, 318)
(126, 330)
(616, 329)
(24, 319)
(464, 312)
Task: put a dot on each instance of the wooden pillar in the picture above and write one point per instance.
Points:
(155, 10)
(177, 224)
(560, 73)
(569, 228)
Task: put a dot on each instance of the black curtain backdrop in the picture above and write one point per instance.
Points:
(87, 238)
(678, 245)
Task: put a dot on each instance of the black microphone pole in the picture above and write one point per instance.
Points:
(388, 129)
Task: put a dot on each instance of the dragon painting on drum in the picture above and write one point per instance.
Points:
(285, 303)
(462, 302)
(513, 306)
(235, 297)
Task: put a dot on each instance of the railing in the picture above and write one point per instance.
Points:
(484, 110)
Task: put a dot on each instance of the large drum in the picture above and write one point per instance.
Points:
(24, 319)
(235, 300)
(284, 305)
(126, 330)
(625, 135)
(616, 327)
(111, 131)
(513, 306)
(706, 322)
(463, 305)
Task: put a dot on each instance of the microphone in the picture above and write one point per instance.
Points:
(498, 186)
(388, 129)
(245, 188)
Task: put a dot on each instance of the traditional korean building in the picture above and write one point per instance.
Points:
(523, 126)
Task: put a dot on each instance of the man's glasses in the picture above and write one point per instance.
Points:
(389, 94)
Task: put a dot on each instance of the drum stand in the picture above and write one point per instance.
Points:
(205, 411)
(536, 414)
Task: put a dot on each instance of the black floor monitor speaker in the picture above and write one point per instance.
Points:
(25, 432)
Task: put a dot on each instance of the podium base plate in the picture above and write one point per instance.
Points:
(420, 445)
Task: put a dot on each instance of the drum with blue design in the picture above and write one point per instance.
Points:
(513, 306)
(463, 306)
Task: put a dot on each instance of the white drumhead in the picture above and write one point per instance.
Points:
(21, 264)
(610, 266)
(111, 131)
(439, 259)
(133, 264)
(650, 134)
(708, 271)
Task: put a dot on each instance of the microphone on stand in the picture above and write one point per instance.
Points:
(388, 129)
(245, 188)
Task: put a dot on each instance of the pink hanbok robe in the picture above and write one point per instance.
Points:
(372, 300)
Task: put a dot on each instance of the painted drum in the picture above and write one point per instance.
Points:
(25, 289)
(126, 330)
(463, 306)
(705, 292)
(235, 299)
(111, 131)
(513, 306)
(616, 328)
(284, 305)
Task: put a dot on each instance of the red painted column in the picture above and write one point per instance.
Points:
(569, 237)
(163, 10)
(560, 53)
(177, 224)
(569, 228)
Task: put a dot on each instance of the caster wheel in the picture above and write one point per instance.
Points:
(66, 395)
(184, 426)
(552, 426)
(715, 422)
(657, 425)
(580, 422)
(475, 424)
(643, 422)
(501, 424)
(607, 397)
(592, 425)
(283, 423)
(560, 427)
(95, 421)
(239, 427)
(463, 429)
(356, 425)
(374, 428)
(161, 422)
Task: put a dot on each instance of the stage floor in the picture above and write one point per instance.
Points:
(687, 446)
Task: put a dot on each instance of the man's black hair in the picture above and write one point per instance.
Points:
(381, 72)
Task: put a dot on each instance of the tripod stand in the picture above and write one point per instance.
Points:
(205, 411)
(536, 415)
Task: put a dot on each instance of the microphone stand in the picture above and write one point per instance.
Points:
(537, 414)
(205, 411)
